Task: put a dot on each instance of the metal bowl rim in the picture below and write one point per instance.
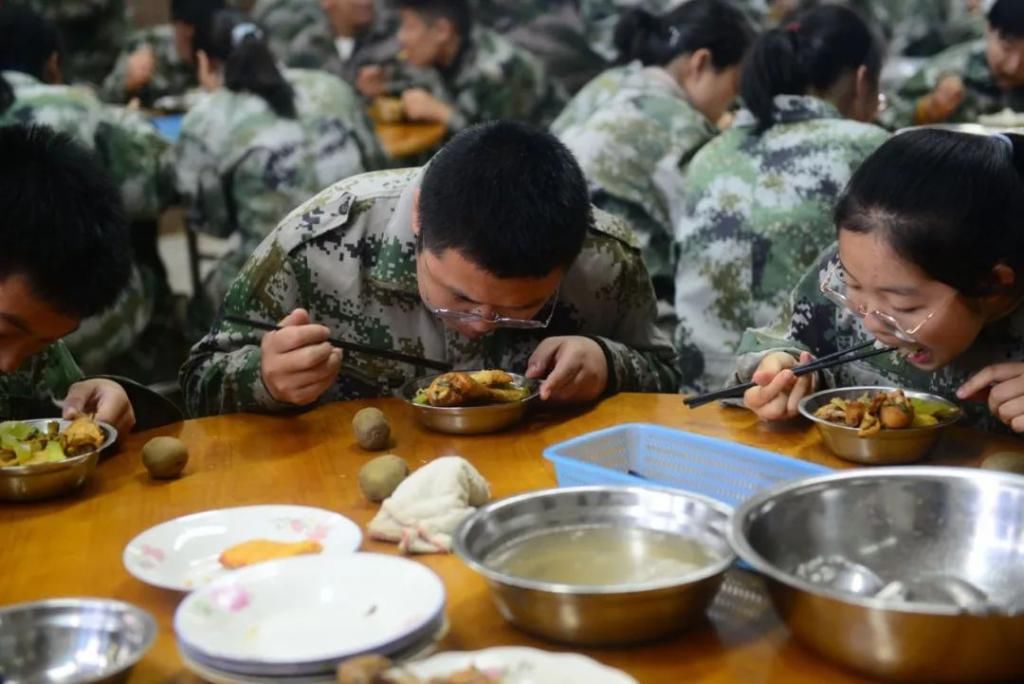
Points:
(911, 394)
(529, 383)
(149, 631)
(110, 436)
(701, 574)
(738, 538)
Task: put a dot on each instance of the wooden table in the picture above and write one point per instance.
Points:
(72, 547)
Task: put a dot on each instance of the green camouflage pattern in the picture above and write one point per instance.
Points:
(493, 79)
(271, 164)
(600, 18)
(139, 162)
(171, 76)
(810, 322)
(91, 32)
(921, 28)
(348, 256)
(29, 391)
(629, 128)
(757, 212)
(967, 61)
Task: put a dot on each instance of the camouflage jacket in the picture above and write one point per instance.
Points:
(757, 212)
(29, 391)
(241, 168)
(348, 256)
(921, 28)
(812, 323)
(171, 76)
(968, 61)
(493, 79)
(626, 127)
(91, 33)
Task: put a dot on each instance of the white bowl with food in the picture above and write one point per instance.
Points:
(879, 425)
(47, 457)
(470, 402)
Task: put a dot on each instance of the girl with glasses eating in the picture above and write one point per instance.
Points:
(930, 262)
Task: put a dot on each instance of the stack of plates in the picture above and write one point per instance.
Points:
(293, 621)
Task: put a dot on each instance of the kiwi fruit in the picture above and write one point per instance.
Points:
(165, 457)
(379, 478)
(373, 432)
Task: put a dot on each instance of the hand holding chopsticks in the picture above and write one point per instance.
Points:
(861, 351)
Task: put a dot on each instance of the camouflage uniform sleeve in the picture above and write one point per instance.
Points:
(197, 177)
(60, 370)
(902, 109)
(139, 161)
(222, 373)
(113, 87)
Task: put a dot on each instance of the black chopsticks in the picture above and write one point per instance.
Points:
(831, 361)
(351, 346)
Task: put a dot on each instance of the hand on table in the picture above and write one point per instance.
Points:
(1004, 385)
(298, 363)
(104, 398)
(139, 69)
(778, 390)
(371, 81)
(575, 368)
(419, 105)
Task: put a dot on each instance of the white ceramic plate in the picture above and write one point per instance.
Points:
(292, 616)
(183, 554)
(520, 665)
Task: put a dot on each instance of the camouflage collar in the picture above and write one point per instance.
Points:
(394, 264)
(793, 109)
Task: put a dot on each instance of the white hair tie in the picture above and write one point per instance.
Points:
(243, 31)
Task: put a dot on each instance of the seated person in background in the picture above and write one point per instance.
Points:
(757, 198)
(922, 28)
(66, 256)
(130, 149)
(158, 61)
(636, 127)
(260, 144)
(490, 257)
(966, 81)
(475, 74)
(92, 33)
(911, 272)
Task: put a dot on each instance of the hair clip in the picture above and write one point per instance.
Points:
(242, 31)
(674, 37)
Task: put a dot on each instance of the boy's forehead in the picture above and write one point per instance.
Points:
(22, 308)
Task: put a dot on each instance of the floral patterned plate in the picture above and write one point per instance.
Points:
(303, 615)
(520, 665)
(184, 554)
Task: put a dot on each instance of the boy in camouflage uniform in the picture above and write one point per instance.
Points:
(490, 258)
(65, 257)
(158, 61)
(474, 74)
(968, 80)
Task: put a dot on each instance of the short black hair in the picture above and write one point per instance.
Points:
(1007, 18)
(508, 197)
(950, 203)
(813, 51)
(714, 25)
(27, 40)
(194, 12)
(61, 222)
(458, 12)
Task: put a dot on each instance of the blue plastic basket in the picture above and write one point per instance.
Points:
(640, 454)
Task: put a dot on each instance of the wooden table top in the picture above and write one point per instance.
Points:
(73, 546)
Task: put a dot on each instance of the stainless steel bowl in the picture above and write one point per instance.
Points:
(599, 615)
(469, 420)
(72, 640)
(903, 524)
(45, 480)
(886, 447)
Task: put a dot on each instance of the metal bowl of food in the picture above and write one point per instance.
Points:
(885, 446)
(73, 640)
(598, 566)
(913, 573)
(42, 480)
(477, 404)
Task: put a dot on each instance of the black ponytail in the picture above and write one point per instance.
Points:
(812, 52)
(249, 65)
(27, 40)
(949, 203)
(715, 25)
(6, 95)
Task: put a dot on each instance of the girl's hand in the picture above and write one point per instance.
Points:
(779, 391)
(1004, 383)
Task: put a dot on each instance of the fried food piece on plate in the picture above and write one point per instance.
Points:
(261, 550)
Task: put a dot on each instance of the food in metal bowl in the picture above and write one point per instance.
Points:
(23, 444)
(472, 389)
(891, 410)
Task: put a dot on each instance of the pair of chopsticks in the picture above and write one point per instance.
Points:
(350, 346)
(831, 361)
